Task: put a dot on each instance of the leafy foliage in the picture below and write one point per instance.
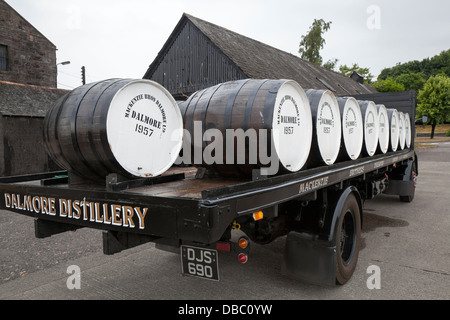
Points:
(364, 72)
(388, 85)
(411, 81)
(331, 64)
(426, 68)
(434, 100)
(413, 75)
(313, 42)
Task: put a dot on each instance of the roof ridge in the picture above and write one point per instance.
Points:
(236, 33)
(30, 85)
(191, 18)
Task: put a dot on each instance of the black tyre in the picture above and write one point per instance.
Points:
(348, 240)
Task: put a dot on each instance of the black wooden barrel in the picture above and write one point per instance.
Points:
(125, 126)
(327, 127)
(370, 119)
(352, 129)
(237, 126)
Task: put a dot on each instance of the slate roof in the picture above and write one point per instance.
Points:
(261, 61)
(27, 100)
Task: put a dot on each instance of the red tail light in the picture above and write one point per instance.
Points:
(242, 258)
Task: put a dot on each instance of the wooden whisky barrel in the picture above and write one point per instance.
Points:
(402, 131)
(408, 131)
(352, 129)
(383, 129)
(125, 126)
(237, 126)
(370, 119)
(327, 127)
(394, 129)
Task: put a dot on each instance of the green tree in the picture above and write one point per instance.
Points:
(331, 64)
(388, 85)
(434, 100)
(427, 67)
(313, 41)
(411, 81)
(364, 72)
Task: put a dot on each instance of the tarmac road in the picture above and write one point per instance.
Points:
(409, 245)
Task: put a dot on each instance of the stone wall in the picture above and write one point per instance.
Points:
(31, 56)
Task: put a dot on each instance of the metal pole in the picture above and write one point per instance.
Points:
(83, 75)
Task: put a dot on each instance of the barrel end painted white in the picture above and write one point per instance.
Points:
(408, 131)
(402, 133)
(394, 128)
(327, 123)
(383, 128)
(292, 127)
(370, 119)
(352, 127)
(144, 128)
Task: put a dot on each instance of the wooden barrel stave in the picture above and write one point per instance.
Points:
(50, 133)
(90, 123)
(66, 129)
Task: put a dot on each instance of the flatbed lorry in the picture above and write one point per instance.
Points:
(319, 211)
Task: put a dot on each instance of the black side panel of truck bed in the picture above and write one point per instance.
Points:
(202, 216)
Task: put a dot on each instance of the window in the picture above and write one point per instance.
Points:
(3, 57)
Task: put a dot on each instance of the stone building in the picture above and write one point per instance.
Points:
(22, 111)
(26, 55)
(27, 90)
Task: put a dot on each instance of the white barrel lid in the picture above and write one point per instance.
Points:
(370, 116)
(394, 128)
(352, 127)
(402, 131)
(292, 126)
(383, 128)
(327, 117)
(144, 128)
(408, 130)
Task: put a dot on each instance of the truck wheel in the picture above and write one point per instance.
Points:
(348, 239)
(413, 178)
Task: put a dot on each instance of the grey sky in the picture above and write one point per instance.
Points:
(118, 38)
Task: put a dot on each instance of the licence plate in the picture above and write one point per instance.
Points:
(200, 262)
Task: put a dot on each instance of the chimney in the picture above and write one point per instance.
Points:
(357, 77)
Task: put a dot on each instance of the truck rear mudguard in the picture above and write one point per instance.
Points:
(402, 180)
(316, 258)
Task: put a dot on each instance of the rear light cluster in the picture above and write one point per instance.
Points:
(243, 242)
